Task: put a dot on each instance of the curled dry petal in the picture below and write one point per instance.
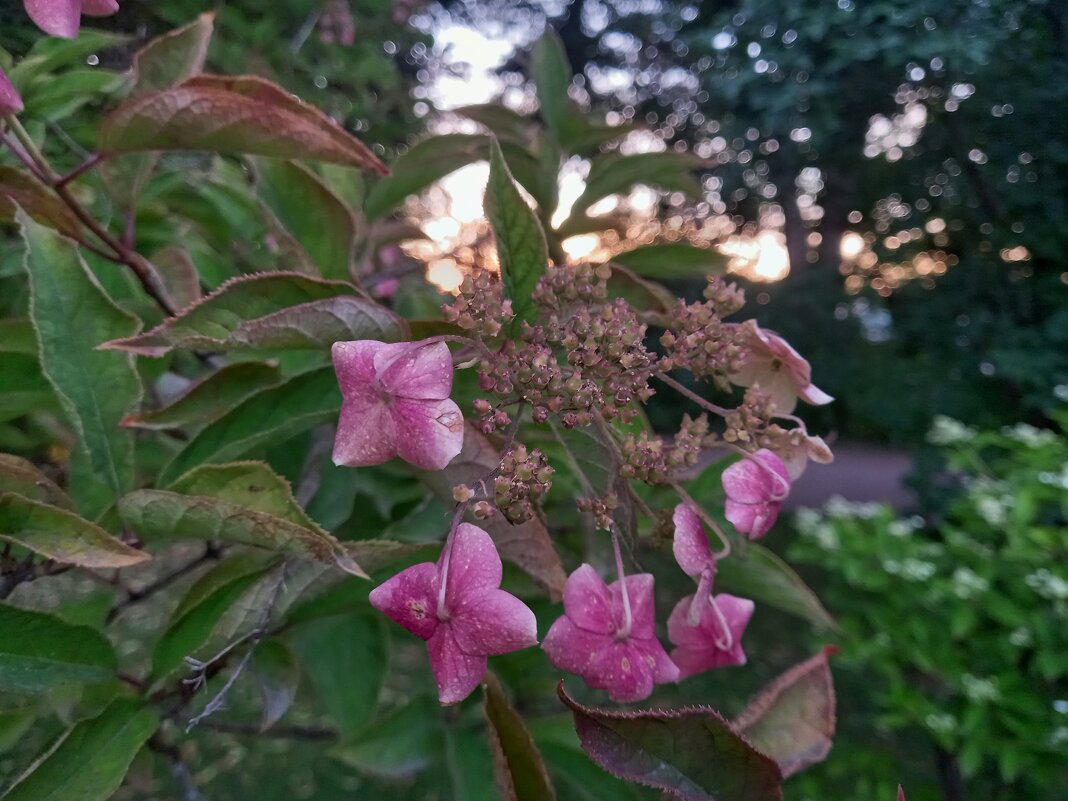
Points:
(396, 403)
(473, 619)
(755, 492)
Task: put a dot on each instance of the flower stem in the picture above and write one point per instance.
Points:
(689, 393)
(727, 642)
(627, 619)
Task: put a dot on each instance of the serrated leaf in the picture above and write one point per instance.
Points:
(397, 745)
(236, 115)
(792, 719)
(72, 315)
(179, 275)
(271, 415)
(19, 189)
(39, 652)
(210, 398)
(165, 515)
(424, 163)
(331, 649)
(761, 575)
(24, 478)
(203, 608)
(61, 535)
(518, 766)
(173, 57)
(310, 211)
(551, 72)
(278, 676)
(521, 246)
(268, 310)
(529, 545)
(672, 260)
(90, 760)
(613, 174)
(250, 484)
(692, 753)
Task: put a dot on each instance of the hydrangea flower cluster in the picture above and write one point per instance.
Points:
(583, 361)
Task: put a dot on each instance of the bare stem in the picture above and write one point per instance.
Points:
(682, 389)
(627, 619)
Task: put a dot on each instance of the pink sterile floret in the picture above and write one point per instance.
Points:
(63, 17)
(777, 369)
(592, 639)
(755, 494)
(714, 639)
(690, 544)
(396, 403)
(472, 619)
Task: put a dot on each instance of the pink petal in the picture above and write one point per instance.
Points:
(430, 433)
(814, 395)
(622, 669)
(417, 370)
(495, 622)
(457, 673)
(474, 567)
(642, 608)
(99, 8)
(664, 670)
(571, 648)
(410, 598)
(56, 17)
(10, 102)
(587, 602)
(366, 432)
(696, 646)
(354, 365)
(796, 456)
(690, 544)
(747, 482)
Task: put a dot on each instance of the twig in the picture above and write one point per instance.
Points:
(211, 552)
(682, 389)
(81, 169)
(180, 771)
(279, 732)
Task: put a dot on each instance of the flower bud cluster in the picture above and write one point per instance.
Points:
(525, 476)
(601, 508)
(693, 436)
(490, 418)
(572, 283)
(726, 297)
(644, 458)
(699, 341)
(480, 305)
(746, 423)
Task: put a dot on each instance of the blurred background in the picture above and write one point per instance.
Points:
(889, 181)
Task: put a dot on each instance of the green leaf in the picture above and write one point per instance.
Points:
(272, 415)
(672, 260)
(397, 745)
(551, 72)
(520, 240)
(250, 484)
(692, 754)
(236, 115)
(17, 336)
(24, 478)
(792, 719)
(51, 53)
(171, 58)
(278, 676)
(614, 174)
(759, 574)
(528, 545)
(20, 189)
(39, 652)
(424, 163)
(269, 310)
(309, 210)
(179, 275)
(164, 515)
(23, 388)
(518, 766)
(72, 316)
(89, 761)
(500, 121)
(210, 398)
(331, 649)
(61, 535)
(203, 608)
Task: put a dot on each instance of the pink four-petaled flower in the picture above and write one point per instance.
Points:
(778, 369)
(396, 403)
(63, 17)
(755, 492)
(593, 640)
(713, 637)
(464, 622)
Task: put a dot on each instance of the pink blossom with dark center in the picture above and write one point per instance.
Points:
(712, 639)
(63, 17)
(457, 606)
(778, 369)
(611, 646)
(10, 101)
(396, 403)
(755, 492)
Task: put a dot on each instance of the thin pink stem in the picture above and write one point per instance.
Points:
(682, 389)
(728, 642)
(627, 620)
(443, 578)
(704, 592)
